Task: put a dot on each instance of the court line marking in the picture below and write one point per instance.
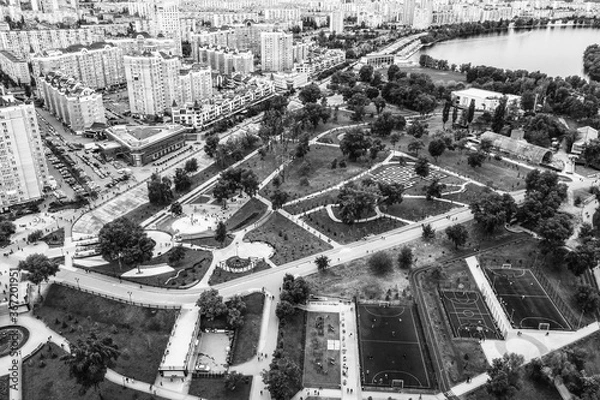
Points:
(400, 372)
(386, 316)
(387, 341)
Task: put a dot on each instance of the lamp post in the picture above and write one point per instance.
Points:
(77, 280)
(130, 300)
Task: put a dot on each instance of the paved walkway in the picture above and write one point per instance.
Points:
(178, 354)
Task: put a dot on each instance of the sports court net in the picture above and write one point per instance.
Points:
(398, 383)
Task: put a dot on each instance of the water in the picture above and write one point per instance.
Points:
(554, 51)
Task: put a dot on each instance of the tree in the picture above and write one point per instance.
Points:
(446, 113)
(278, 199)
(376, 147)
(415, 146)
(159, 190)
(371, 92)
(555, 231)
(492, 210)
(176, 208)
(389, 193)
(505, 376)
(379, 104)
(417, 129)
(425, 104)
(176, 254)
(322, 262)
(486, 145)
(499, 115)
(35, 236)
(221, 232)
(191, 165)
(405, 258)
(383, 125)
(249, 182)
(475, 159)
(233, 380)
(422, 167)
(591, 153)
(7, 228)
(121, 239)
(39, 268)
(90, 359)
(394, 138)
(392, 71)
(528, 100)
(310, 94)
(284, 310)
(436, 148)
(355, 144)
(181, 180)
(357, 103)
(471, 111)
(454, 115)
(428, 232)
(283, 378)
(434, 190)
(457, 234)
(365, 74)
(294, 290)
(303, 147)
(139, 253)
(211, 304)
(380, 263)
(210, 145)
(355, 202)
(583, 258)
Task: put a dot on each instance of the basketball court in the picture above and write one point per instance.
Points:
(391, 350)
(468, 315)
(525, 301)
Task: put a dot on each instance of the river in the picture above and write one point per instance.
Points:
(554, 51)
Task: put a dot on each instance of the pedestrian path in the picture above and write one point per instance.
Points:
(179, 351)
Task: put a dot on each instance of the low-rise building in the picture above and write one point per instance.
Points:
(16, 68)
(485, 100)
(70, 101)
(289, 80)
(142, 145)
(585, 134)
(319, 62)
(202, 115)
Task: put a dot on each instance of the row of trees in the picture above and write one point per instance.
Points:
(591, 61)
(233, 180)
(212, 307)
(160, 189)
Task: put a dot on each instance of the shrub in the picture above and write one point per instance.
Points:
(380, 263)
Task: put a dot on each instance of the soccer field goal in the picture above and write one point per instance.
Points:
(544, 326)
(507, 266)
(398, 383)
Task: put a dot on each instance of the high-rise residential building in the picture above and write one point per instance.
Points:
(277, 51)
(23, 169)
(16, 68)
(152, 82)
(196, 83)
(143, 42)
(408, 12)
(70, 101)
(336, 21)
(224, 60)
(282, 14)
(159, 17)
(98, 66)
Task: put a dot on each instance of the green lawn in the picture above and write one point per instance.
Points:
(55, 238)
(210, 241)
(292, 336)
(329, 197)
(219, 275)
(265, 166)
(320, 176)
(471, 194)
(246, 215)
(52, 381)
(530, 390)
(214, 389)
(345, 234)
(316, 352)
(417, 209)
(142, 334)
(289, 240)
(193, 267)
(436, 74)
(249, 334)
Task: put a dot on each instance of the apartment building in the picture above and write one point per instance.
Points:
(158, 17)
(277, 51)
(336, 21)
(16, 68)
(196, 83)
(319, 61)
(97, 66)
(23, 169)
(72, 102)
(282, 14)
(224, 60)
(143, 42)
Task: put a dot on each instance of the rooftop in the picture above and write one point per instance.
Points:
(482, 93)
(9, 54)
(137, 136)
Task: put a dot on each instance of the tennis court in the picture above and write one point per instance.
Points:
(525, 301)
(468, 315)
(392, 353)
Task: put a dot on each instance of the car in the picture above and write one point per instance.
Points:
(202, 368)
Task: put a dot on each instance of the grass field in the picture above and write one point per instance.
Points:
(344, 233)
(142, 334)
(436, 74)
(292, 334)
(246, 215)
(416, 209)
(249, 333)
(529, 390)
(320, 176)
(470, 195)
(321, 366)
(210, 241)
(289, 240)
(323, 199)
(193, 266)
(219, 275)
(214, 389)
(52, 382)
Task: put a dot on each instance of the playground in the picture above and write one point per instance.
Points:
(468, 315)
(525, 301)
(391, 351)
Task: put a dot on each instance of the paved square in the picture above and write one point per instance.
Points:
(468, 315)
(390, 347)
(403, 174)
(525, 300)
